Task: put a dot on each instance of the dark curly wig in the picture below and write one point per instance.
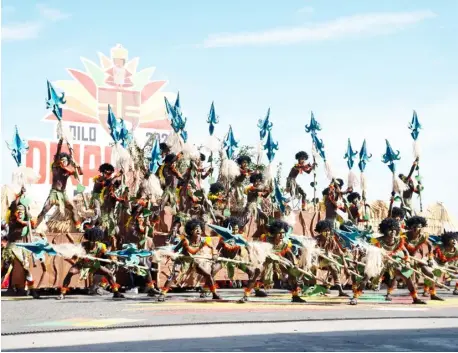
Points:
(242, 159)
(353, 196)
(323, 226)
(416, 220)
(398, 212)
(325, 192)
(256, 177)
(447, 237)
(277, 226)
(388, 224)
(302, 155)
(164, 147)
(106, 168)
(202, 157)
(233, 221)
(193, 224)
(93, 234)
(170, 158)
(65, 155)
(216, 188)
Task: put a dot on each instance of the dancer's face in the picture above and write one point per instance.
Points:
(64, 161)
(417, 229)
(278, 237)
(244, 164)
(392, 234)
(197, 232)
(302, 161)
(235, 229)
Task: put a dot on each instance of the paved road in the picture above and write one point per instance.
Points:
(140, 323)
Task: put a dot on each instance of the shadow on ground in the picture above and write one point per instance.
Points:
(429, 340)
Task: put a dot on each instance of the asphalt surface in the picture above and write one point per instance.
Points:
(99, 323)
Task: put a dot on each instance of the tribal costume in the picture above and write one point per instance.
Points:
(354, 209)
(61, 171)
(101, 182)
(254, 193)
(218, 200)
(447, 254)
(83, 266)
(276, 265)
(412, 188)
(170, 177)
(416, 241)
(240, 181)
(291, 184)
(333, 201)
(334, 257)
(191, 244)
(19, 226)
(398, 264)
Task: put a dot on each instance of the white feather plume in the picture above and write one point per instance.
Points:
(68, 250)
(152, 186)
(24, 175)
(175, 142)
(63, 132)
(268, 173)
(328, 170)
(190, 151)
(258, 252)
(363, 182)
(416, 149)
(213, 144)
(309, 254)
(373, 259)
(352, 179)
(42, 229)
(229, 169)
(398, 185)
(122, 158)
(290, 219)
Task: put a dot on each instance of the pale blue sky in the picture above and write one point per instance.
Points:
(361, 66)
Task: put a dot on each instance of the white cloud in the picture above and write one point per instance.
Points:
(357, 25)
(51, 14)
(31, 29)
(21, 31)
(306, 10)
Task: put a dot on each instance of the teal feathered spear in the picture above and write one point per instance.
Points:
(230, 144)
(415, 127)
(364, 157)
(390, 157)
(350, 157)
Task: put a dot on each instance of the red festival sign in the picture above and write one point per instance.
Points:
(115, 82)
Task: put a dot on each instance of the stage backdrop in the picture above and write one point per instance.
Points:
(115, 81)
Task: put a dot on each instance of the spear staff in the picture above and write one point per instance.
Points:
(270, 147)
(313, 128)
(227, 164)
(264, 126)
(350, 157)
(390, 158)
(212, 120)
(54, 102)
(415, 126)
(363, 159)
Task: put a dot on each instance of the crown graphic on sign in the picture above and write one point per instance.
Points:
(119, 52)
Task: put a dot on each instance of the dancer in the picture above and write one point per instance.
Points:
(61, 171)
(397, 265)
(191, 244)
(291, 184)
(96, 249)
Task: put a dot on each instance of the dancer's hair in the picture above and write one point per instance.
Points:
(447, 237)
(216, 187)
(193, 224)
(388, 224)
(323, 225)
(256, 177)
(233, 221)
(302, 155)
(106, 168)
(415, 220)
(242, 159)
(398, 212)
(353, 196)
(277, 226)
(93, 234)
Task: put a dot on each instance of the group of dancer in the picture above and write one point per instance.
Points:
(402, 251)
(129, 200)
